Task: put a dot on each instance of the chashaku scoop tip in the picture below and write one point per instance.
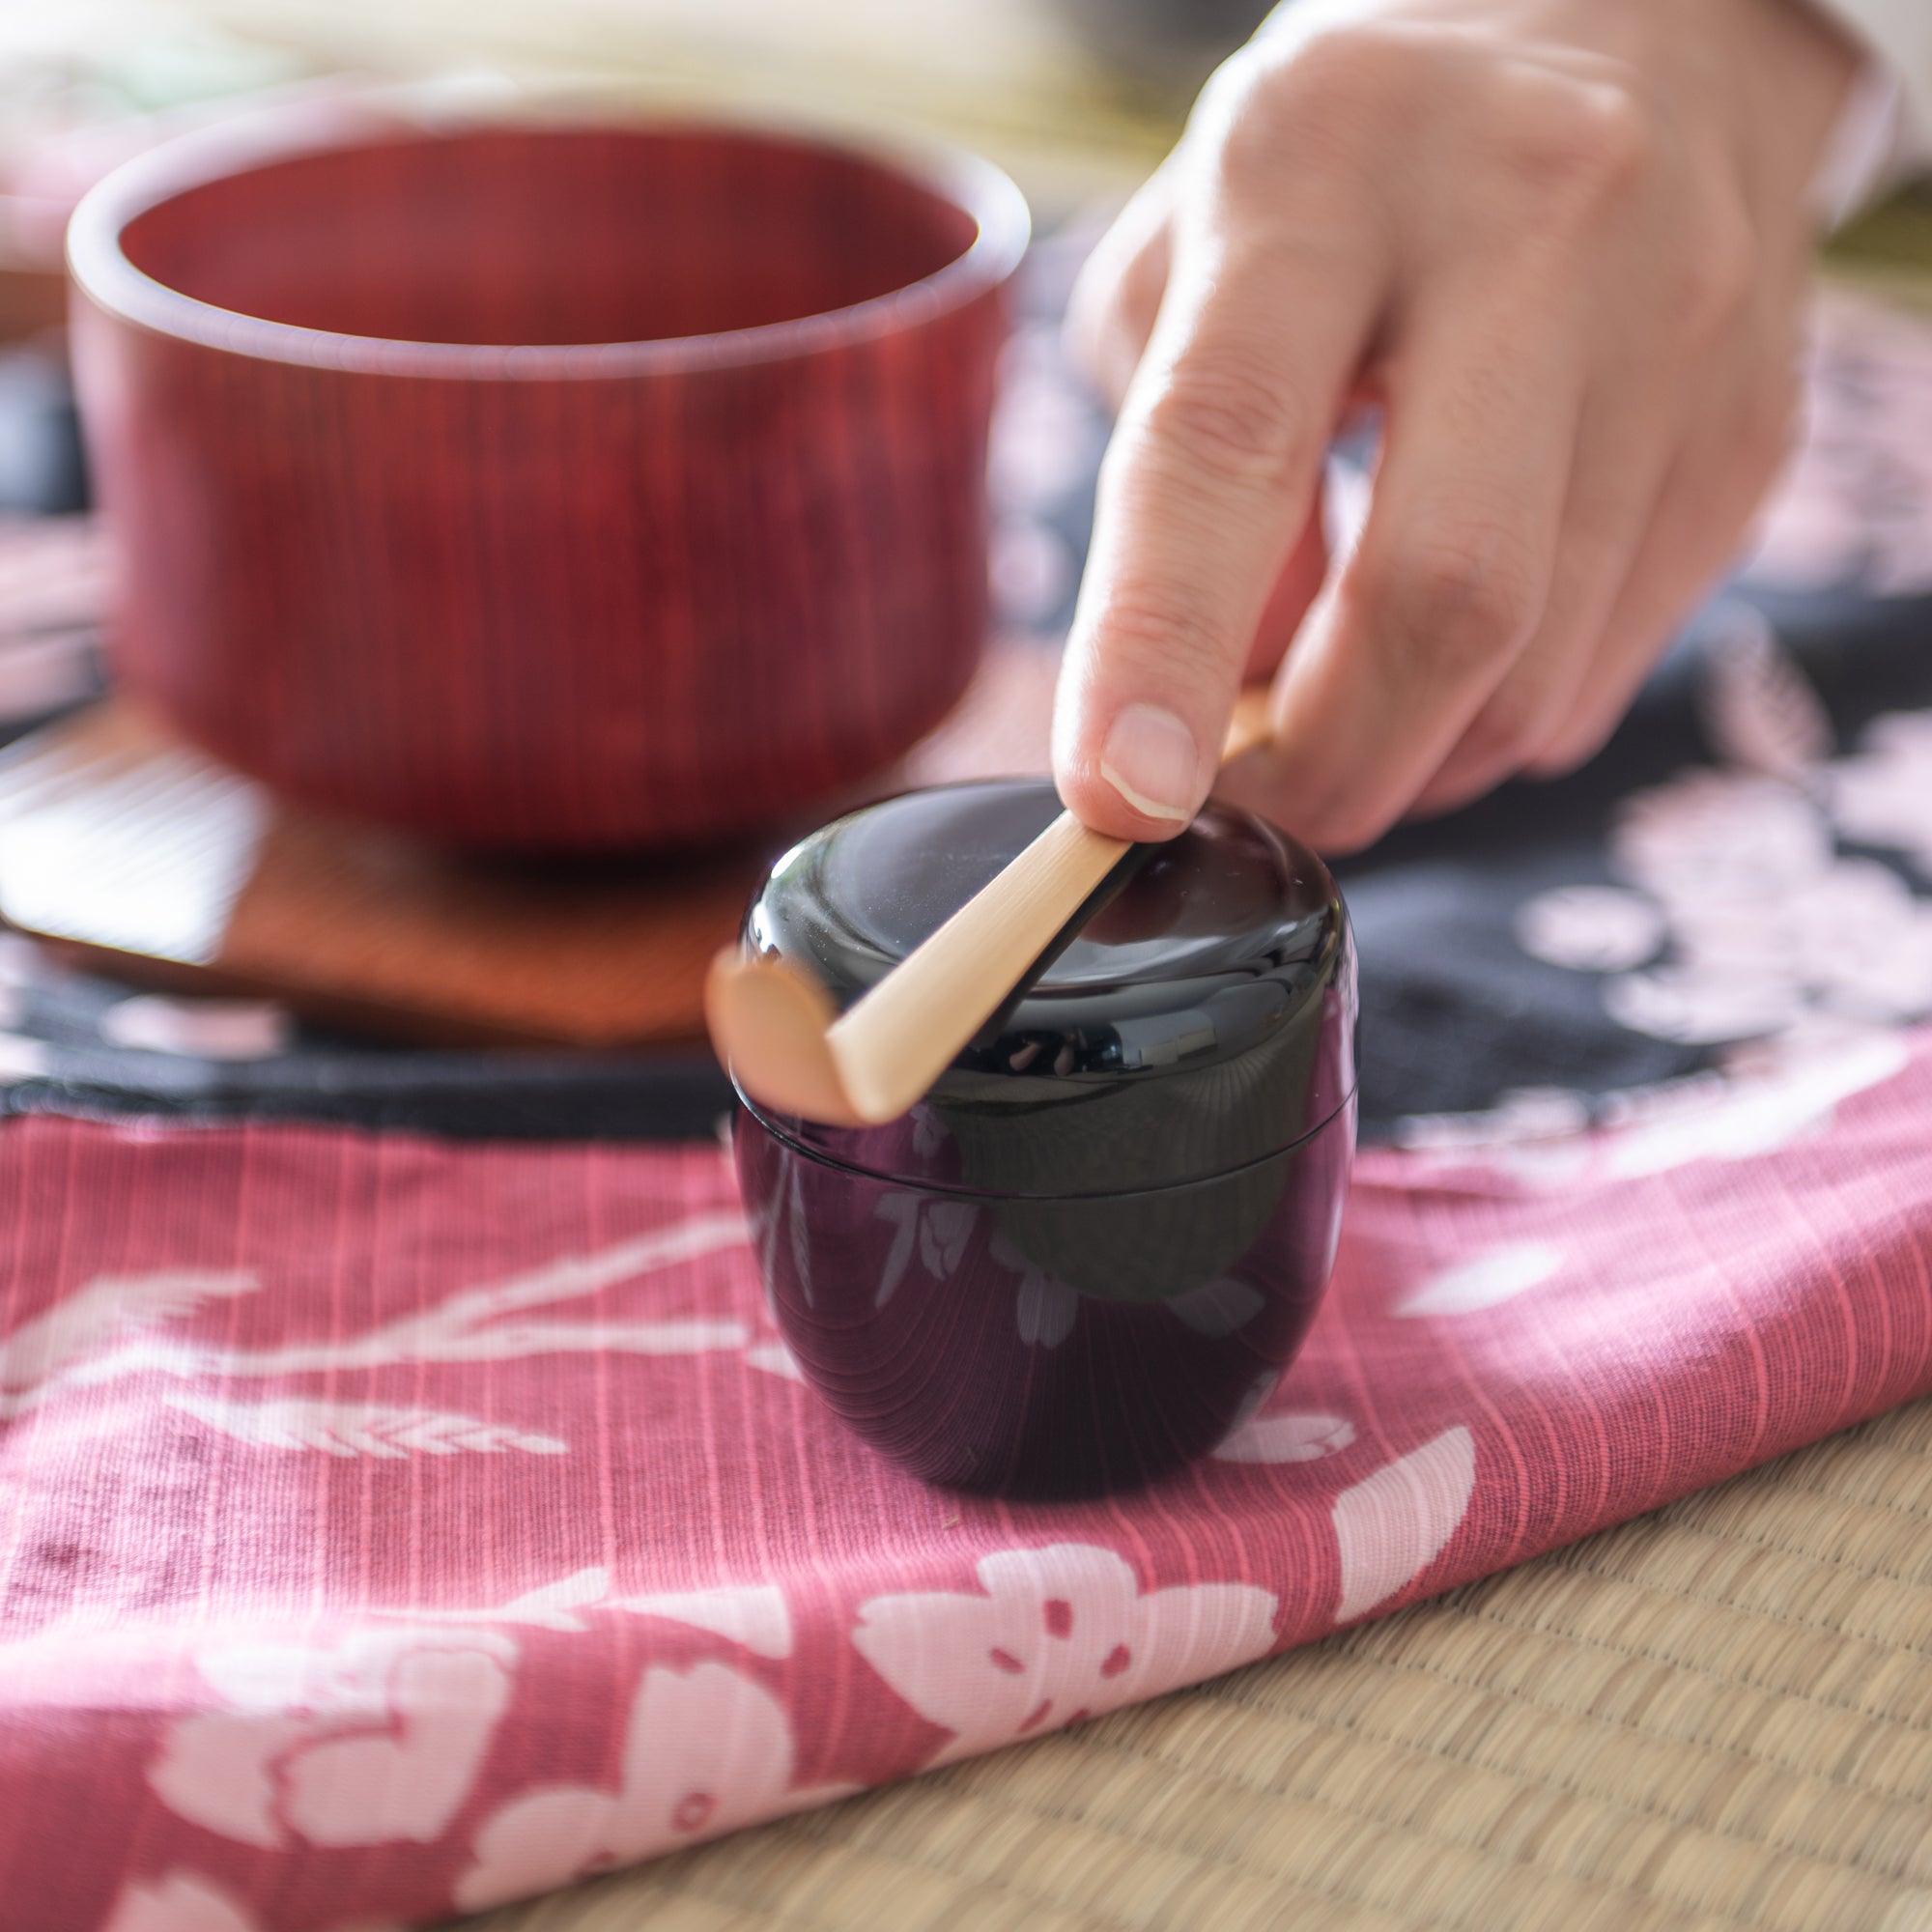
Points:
(768, 1024)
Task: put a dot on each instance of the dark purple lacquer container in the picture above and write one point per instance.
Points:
(1093, 1248)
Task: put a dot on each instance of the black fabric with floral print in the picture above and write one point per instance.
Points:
(1745, 872)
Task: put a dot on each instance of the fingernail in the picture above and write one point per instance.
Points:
(1152, 760)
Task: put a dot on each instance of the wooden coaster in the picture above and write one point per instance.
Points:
(152, 861)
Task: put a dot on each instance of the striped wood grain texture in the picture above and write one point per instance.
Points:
(703, 548)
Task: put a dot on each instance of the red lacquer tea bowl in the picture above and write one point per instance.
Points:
(546, 485)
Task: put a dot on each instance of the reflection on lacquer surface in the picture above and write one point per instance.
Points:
(1044, 1347)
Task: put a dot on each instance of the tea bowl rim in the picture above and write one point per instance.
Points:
(100, 268)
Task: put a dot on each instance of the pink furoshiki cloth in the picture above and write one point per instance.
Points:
(392, 1528)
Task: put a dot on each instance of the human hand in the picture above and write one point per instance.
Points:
(1561, 245)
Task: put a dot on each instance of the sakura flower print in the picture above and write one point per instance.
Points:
(1095, 1247)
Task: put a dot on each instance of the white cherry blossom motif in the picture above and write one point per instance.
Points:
(1392, 1525)
(1884, 796)
(1763, 940)
(706, 1749)
(1766, 925)
(374, 1739)
(180, 1902)
(1711, 837)
(1053, 1635)
(1702, 1007)
(1590, 928)
(1876, 965)
(1288, 1438)
(1857, 942)
(1795, 958)
(1496, 1275)
(1739, 939)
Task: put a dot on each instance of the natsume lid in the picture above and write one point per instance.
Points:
(1197, 1017)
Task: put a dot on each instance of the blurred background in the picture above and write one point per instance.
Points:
(1077, 99)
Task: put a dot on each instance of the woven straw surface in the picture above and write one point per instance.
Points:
(1720, 1715)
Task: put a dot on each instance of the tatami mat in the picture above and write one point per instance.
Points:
(1720, 1715)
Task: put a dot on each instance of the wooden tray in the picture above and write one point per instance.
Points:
(153, 863)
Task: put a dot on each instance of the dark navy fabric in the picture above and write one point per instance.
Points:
(1456, 1015)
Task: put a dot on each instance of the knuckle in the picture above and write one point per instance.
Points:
(1157, 631)
(1717, 274)
(1495, 740)
(1599, 138)
(1506, 735)
(1226, 416)
(1456, 603)
(1609, 138)
(1584, 145)
(1330, 92)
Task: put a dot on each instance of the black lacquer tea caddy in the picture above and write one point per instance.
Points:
(1095, 1245)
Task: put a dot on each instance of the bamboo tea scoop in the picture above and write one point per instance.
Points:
(778, 1031)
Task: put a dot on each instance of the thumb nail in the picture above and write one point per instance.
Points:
(1152, 760)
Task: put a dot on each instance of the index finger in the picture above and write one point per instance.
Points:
(1211, 477)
